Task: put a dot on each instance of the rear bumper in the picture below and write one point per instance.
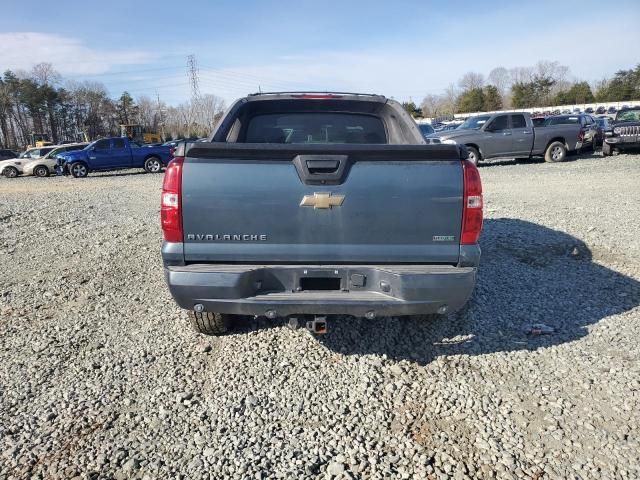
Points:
(385, 290)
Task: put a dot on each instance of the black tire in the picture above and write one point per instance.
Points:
(474, 155)
(153, 165)
(555, 152)
(210, 323)
(10, 172)
(78, 170)
(41, 171)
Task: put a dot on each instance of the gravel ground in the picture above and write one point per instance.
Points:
(100, 376)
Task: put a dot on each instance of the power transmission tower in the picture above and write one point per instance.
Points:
(194, 80)
(192, 72)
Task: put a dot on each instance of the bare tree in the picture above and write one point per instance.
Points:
(552, 70)
(211, 108)
(44, 74)
(148, 112)
(521, 74)
(501, 79)
(471, 80)
(431, 105)
(450, 99)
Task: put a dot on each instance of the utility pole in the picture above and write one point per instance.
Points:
(161, 114)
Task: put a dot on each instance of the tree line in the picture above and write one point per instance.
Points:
(544, 84)
(41, 101)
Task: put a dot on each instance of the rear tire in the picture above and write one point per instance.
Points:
(474, 155)
(79, 170)
(210, 323)
(556, 152)
(153, 165)
(606, 150)
(10, 172)
(41, 171)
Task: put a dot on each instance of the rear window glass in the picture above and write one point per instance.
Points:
(562, 120)
(315, 128)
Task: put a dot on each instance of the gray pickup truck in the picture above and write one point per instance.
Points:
(304, 205)
(512, 135)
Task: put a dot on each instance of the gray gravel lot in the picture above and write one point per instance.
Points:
(100, 376)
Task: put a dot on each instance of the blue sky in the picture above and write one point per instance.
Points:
(403, 49)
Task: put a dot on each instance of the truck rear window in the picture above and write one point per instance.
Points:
(329, 127)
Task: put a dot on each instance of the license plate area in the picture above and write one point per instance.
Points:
(320, 283)
(320, 280)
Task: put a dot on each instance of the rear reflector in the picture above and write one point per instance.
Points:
(472, 206)
(171, 203)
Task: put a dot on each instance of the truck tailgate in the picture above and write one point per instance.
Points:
(391, 204)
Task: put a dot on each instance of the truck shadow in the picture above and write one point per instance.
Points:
(529, 274)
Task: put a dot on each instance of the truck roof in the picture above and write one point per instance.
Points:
(317, 95)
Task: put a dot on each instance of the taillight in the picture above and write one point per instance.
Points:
(317, 96)
(172, 150)
(581, 134)
(472, 206)
(171, 202)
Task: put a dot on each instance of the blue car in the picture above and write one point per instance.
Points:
(114, 154)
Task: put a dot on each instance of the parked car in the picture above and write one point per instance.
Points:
(601, 110)
(566, 111)
(624, 133)
(113, 154)
(576, 111)
(512, 134)
(612, 110)
(588, 110)
(426, 129)
(448, 126)
(45, 166)
(604, 125)
(6, 154)
(329, 231)
(11, 168)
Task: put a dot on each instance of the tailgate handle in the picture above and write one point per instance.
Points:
(322, 166)
(322, 169)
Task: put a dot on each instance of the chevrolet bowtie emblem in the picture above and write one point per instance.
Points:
(322, 200)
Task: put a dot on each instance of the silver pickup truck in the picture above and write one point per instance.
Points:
(304, 205)
(512, 135)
